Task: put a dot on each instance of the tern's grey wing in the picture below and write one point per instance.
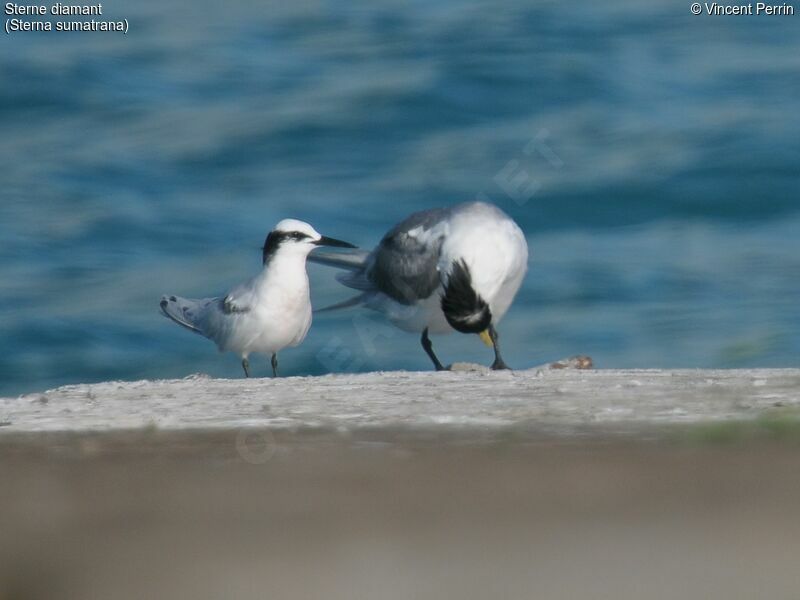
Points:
(231, 304)
(240, 299)
(403, 266)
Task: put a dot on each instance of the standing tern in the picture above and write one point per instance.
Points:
(438, 270)
(267, 313)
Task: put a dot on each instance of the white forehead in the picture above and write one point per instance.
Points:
(295, 225)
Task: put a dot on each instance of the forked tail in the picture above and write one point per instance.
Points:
(352, 261)
(181, 310)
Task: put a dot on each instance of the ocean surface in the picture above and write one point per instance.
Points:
(651, 156)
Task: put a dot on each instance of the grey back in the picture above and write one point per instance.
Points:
(404, 267)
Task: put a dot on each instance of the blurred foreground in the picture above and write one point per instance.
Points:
(397, 515)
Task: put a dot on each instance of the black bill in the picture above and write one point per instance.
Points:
(326, 241)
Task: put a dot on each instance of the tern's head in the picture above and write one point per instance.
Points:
(293, 236)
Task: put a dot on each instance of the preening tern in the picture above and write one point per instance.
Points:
(438, 270)
(267, 313)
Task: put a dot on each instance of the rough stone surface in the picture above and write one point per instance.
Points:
(552, 401)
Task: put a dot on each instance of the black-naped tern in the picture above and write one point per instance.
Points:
(267, 313)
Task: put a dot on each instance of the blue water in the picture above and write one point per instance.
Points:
(651, 156)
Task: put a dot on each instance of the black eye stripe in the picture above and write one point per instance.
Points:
(275, 238)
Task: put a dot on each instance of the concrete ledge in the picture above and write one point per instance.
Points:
(465, 485)
(547, 401)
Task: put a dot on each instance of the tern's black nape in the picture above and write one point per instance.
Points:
(276, 238)
(463, 307)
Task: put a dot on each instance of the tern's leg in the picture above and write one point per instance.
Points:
(246, 367)
(428, 347)
(498, 363)
(274, 362)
